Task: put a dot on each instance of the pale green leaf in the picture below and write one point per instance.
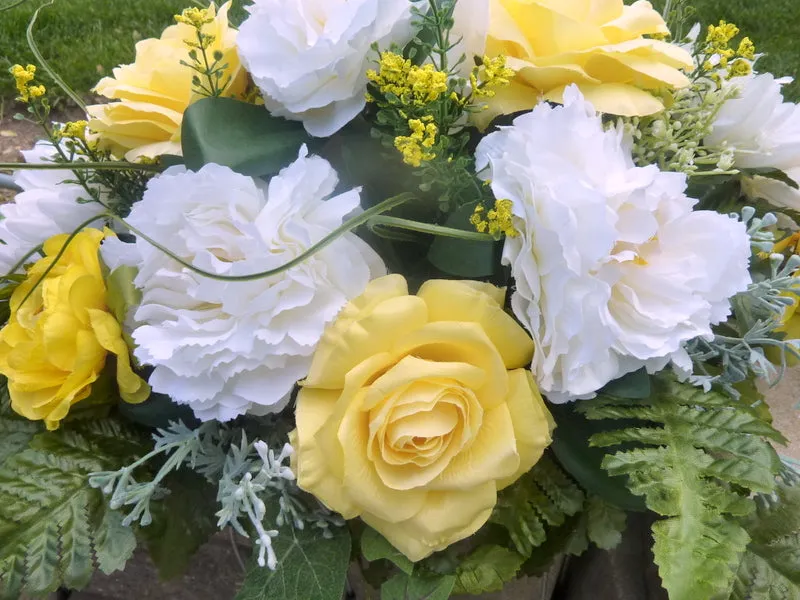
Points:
(114, 544)
(605, 523)
(376, 547)
(418, 587)
(487, 569)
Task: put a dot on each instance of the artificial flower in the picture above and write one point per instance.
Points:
(61, 332)
(614, 271)
(156, 89)
(310, 57)
(227, 348)
(763, 131)
(417, 409)
(598, 45)
(774, 191)
(49, 204)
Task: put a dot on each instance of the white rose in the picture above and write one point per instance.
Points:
(613, 269)
(762, 129)
(46, 207)
(227, 348)
(310, 57)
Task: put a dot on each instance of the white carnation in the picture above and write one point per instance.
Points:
(613, 269)
(310, 57)
(227, 348)
(762, 129)
(46, 207)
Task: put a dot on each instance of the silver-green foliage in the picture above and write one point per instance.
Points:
(54, 528)
(695, 457)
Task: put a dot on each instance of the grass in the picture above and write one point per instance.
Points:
(85, 39)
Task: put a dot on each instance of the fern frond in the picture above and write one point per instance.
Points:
(695, 457)
(54, 527)
(770, 567)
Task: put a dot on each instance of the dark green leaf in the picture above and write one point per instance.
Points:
(376, 547)
(157, 411)
(487, 569)
(238, 135)
(418, 587)
(310, 567)
(182, 522)
(771, 173)
(634, 386)
(464, 258)
(583, 462)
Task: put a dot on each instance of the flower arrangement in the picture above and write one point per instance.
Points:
(433, 289)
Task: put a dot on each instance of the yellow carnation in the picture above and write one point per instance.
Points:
(156, 89)
(55, 345)
(418, 409)
(596, 44)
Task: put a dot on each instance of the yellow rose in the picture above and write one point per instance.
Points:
(156, 89)
(596, 44)
(417, 409)
(55, 345)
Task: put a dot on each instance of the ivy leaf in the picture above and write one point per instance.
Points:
(376, 547)
(463, 258)
(605, 523)
(310, 567)
(487, 569)
(238, 135)
(182, 522)
(418, 587)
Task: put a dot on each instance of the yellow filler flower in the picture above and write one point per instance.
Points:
(418, 409)
(56, 343)
(598, 45)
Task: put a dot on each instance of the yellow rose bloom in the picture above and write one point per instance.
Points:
(418, 409)
(596, 44)
(55, 345)
(156, 89)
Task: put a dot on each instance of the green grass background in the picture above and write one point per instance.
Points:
(85, 39)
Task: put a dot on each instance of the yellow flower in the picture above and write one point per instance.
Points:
(418, 409)
(597, 44)
(55, 345)
(415, 148)
(23, 76)
(156, 89)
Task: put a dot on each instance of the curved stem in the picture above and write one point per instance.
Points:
(407, 224)
(82, 165)
(384, 206)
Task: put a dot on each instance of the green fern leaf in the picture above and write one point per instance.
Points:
(770, 567)
(696, 458)
(53, 526)
(604, 523)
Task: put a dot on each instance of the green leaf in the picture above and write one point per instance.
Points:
(605, 523)
(696, 458)
(50, 519)
(463, 258)
(418, 587)
(583, 461)
(310, 567)
(771, 173)
(487, 569)
(634, 385)
(121, 294)
(182, 522)
(114, 543)
(241, 136)
(157, 412)
(376, 547)
(770, 567)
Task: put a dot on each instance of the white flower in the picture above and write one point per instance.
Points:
(762, 129)
(226, 348)
(613, 269)
(310, 57)
(773, 190)
(46, 207)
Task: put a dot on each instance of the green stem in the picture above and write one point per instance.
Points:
(82, 165)
(361, 219)
(440, 230)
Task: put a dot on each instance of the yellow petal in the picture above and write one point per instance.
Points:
(445, 518)
(479, 303)
(533, 424)
(615, 98)
(638, 19)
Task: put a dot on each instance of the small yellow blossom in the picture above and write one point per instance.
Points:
(721, 56)
(415, 148)
(747, 49)
(719, 36)
(196, 17)
(490, 75)
(498, 221)
(75, 130)
(740, 68)
(414, 85)
(23, 76)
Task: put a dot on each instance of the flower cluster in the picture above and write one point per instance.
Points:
(415, 306)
